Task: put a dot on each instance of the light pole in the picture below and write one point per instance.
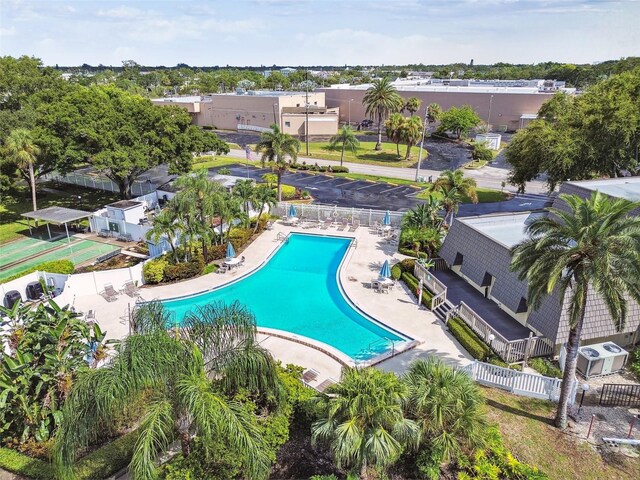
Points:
(585, 387)
(424, 129)
(349, 123)
(274, 114)
(489, 117)
(306, 123)
(491, 338)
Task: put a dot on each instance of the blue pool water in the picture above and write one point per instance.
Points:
(297, 291)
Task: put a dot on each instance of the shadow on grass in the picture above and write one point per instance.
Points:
(519, 412)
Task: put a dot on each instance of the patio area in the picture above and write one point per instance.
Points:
(458, 290)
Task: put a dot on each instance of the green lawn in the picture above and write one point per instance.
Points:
(209, 161)
(366, 154)
(12, 225)
(526, 425)
(485, 195)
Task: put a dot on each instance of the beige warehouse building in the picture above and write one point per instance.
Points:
(257, 111)
(505, 108)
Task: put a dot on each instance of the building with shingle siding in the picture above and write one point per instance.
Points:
(478, 249)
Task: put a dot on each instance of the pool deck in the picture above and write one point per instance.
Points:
(397, 309)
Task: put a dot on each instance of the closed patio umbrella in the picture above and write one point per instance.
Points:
(231, 253)
(292, 211)
(387, 218)
(385, 271)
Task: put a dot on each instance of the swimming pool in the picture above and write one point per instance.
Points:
(297, 291)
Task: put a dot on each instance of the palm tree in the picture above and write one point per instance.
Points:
(412, 105)
(362, 420)
(164, 225)
(264, 196)
(433, 112)
(590, 249)
(425, 215)
(270, 179)
(393, 127)
(189, 377)
(347, 139)
(379, 101)
(451, 200)
(245, 190)
(20, 148)
(465, 186)
(274, 147)
(410, 133)
(229, 208)
(447, 405)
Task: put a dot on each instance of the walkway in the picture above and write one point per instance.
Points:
(458, 290)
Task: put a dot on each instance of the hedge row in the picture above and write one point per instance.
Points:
(412, 283)
(468, 339)
(160, 270)
(411, 253)
(97, 465)
(55, 266)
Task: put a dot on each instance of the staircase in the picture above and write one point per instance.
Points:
(443, 310)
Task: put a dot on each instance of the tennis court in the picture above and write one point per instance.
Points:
(79, 251)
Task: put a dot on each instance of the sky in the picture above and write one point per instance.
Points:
(319, 32)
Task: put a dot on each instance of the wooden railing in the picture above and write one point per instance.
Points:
(511, 351)
(434, 285)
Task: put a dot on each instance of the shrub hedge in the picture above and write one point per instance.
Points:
(412, 283)
(153, 270)
(55, 266)
(411, 253)
(396, 272)
(24, 465)
(184, 270)
(545, 367)
(635, 362)
(407, 265)
(468, 339)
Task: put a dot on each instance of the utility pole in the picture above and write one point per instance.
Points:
(424, 129)
(306, 123)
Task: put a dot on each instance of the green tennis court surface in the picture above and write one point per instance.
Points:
(27, 247)
(79, 251)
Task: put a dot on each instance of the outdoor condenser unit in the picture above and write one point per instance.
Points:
(34, 290)
(601, 359)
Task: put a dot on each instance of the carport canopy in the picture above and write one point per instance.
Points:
(58, 216)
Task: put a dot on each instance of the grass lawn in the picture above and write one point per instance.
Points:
(485, 195)
(12, 225)
(526, 425)
(365, 154)
(209, 161)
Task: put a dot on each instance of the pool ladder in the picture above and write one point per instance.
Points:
(282, 237)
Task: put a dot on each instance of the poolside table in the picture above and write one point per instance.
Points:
(232, 262)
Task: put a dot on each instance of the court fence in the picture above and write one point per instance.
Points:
(318, 212)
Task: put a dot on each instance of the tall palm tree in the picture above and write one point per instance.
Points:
(451, 200)
(347, 139)
(229, 208)
(362, 420)
(410, 133)
(264, 196)
(21, 148)
(379, 101)
(465, 186)
(393, 127)
(425, 215)
(189, 377)
(245, 190)
(593, 249)
(447, 405)
(274, 147)
(164, 225)
(412, 105)
(433, 112)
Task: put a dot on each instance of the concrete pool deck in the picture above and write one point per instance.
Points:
(397, 309)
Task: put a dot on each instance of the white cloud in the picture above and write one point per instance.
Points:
(7, 32)
(122, 13)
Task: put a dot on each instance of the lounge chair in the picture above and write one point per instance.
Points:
(109, 293)
(223, 268)
(130, 289)
(343, 225)
(270, 225)
(310, 375)
(327, 223)
(354, 225)
(375, 284)
(104, 233)
(326, 384)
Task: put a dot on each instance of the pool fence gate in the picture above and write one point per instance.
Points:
(519, 383)
(318, 212)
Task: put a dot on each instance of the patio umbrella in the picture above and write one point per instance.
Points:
(385, 271)
(387, 218)
(231, 253)
(292, 211)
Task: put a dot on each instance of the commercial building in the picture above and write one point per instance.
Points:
(477, 250)
(507, 105)
(258, 110)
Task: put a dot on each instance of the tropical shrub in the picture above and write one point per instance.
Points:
(216, 252)
(545, 367)
(153, 270)
(407, 265)
(468, 339)
(634, 364)
(396, 272)
(184, 270)
(411, 253)
(481, 152)
(339, 169)
(412, 283)
(426, 239)
(289, 192)
(47, 348)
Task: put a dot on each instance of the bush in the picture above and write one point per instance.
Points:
(481, 152)
(108, 459)
(396, 272)
(412, 283)
(468, 339)
(216, 252)
(407, 265)
(494, 360)
(411, 253)
(153, 270)
(23, 465)
(182, 271)
(64, 267)
(546, 367)
(339, 169)
(240, 236)
(635, 362)
(289, 192)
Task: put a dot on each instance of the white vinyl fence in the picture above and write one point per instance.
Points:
(519, 383)
(319, 212)
(100, 182)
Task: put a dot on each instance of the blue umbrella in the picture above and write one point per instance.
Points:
(387, 218)
(292, 211)
(385, 271)
(231, 253)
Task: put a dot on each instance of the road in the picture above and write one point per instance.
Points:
(488, 177)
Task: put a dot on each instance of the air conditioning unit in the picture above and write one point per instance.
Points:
(601, 359)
